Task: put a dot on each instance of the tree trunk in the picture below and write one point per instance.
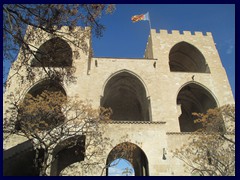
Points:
(44, 164)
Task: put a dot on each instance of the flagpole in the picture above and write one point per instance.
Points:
(149, 22)
(149, 25)
(150, 34)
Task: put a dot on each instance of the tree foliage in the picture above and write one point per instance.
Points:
(50, 119)
(49, 18)
(127, 171)
(211, 150)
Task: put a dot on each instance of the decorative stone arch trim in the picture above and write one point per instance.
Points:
(127, 71)
(201, 85)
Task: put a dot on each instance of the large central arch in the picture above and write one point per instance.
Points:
(132, 153)
(126, 95)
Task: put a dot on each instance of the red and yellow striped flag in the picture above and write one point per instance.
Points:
(140, 17)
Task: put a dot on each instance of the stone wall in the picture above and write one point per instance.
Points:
(161, 85)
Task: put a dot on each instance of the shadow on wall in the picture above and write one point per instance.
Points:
(126, 95)
(193, 98)
(19, 160)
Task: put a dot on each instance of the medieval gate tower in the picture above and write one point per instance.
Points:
(152, 97)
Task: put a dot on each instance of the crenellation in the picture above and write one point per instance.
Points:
(209, 33)
(163, 31)
(198, 33)
(181, 32)
(187, 33)
(153, 31)
(151, 95)
(184, 33)
(175, 32)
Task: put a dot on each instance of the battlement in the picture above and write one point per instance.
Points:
(177, 32)
(62, 28)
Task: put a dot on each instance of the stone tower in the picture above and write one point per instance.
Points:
(152, 97)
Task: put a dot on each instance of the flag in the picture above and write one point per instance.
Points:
(140, 17)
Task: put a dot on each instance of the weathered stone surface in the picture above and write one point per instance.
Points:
(161, 87)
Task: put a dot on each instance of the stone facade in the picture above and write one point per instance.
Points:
(155, 87)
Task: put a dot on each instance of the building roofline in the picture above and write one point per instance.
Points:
(125, 58)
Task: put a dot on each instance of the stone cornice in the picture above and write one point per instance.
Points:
(136, 122)
(193, 133)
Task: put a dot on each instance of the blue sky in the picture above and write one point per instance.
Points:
(119, 166)
(122, 38)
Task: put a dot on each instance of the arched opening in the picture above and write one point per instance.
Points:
(54, 53)
(193, 98)
(121, 167)
(67, 152)
(46, 85)
(184, 57)
(133, 154)
(126, 95)
(19, 160)
(42, 106)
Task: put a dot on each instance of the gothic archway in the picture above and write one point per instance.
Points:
(55, 52)
(193, 98)
(40, 97)
(67, 152)
(46, 85)
(184, 57)
(126, 95)
(132, 153)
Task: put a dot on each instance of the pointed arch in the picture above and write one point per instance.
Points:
(67, 152)
(127, 71)
(125, 93)
(51, 118)
(132, 153)
(45, 84)
(193, 97)
(185, 57)
(55, 52)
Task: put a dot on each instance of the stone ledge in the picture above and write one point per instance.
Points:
(179, 133)
(193, 133)
(136, 122)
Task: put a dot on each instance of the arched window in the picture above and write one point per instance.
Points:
(193, 98)
(126, 95)
(54, 53)
(184, 57)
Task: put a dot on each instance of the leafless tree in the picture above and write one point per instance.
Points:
(211, 150)
(49, 18)
(49, 119)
